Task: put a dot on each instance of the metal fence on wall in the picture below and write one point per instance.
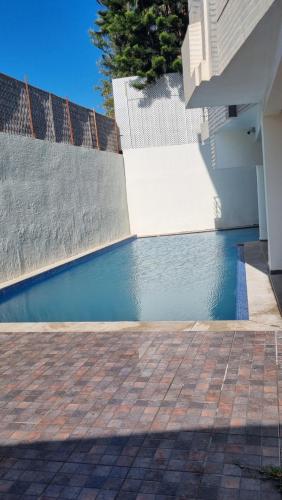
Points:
(27, 110)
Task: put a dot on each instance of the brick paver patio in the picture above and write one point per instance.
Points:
(145, 416)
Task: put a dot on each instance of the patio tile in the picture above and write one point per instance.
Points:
(97, 415)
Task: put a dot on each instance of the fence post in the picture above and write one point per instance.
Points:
(69, 120)
(96, 129)
(117, 136)
(52, 115)
(29, 109)
(90, 130)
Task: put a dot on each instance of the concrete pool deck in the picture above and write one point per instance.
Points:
(136, 326)
(263, 306)
(152, 415)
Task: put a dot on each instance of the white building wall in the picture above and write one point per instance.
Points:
(194, 7)
(235, 148)
(236, 20)
(175, 189)
(171, 183)
(226, 26)
(237, 40)
(261, 203)
(272, 155)
(249, 41)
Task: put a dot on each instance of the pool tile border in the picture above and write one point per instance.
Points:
(242, 306)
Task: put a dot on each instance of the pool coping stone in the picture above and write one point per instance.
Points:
(165, 326)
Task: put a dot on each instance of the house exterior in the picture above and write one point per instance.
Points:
(232, 63)
(175, 182)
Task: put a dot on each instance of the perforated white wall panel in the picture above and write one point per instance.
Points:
(155, 116)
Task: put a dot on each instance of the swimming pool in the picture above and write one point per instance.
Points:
(183, 277)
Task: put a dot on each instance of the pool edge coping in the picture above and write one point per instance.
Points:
(262, 304)
(135, 326)
(196, 231)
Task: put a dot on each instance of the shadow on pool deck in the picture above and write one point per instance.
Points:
(211, 464)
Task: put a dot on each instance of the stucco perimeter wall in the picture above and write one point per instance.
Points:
(56, 201)
(174, 189)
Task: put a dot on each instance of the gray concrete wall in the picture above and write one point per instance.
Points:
(56, 200)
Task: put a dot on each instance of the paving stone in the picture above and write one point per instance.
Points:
(139, 415)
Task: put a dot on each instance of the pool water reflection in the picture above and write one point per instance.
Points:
(183, 277)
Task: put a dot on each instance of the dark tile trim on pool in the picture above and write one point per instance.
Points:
(242, 307)
(57, 269)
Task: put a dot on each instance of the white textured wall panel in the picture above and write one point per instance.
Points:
(155, 116)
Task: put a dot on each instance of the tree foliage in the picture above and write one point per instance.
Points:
(139, 38)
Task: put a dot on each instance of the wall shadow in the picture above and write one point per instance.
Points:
(256, 255)
(207, 463)
(39, 106)
(229, 185)
(162, 89)
(231, 195)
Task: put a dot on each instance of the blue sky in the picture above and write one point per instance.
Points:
(48, 41)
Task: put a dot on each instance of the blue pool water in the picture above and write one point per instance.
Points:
(187, 277)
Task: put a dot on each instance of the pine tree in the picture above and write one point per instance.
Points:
(139, 38)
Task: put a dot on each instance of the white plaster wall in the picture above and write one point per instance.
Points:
(261, 203)
(227, 24)
(235, 148)
(56, 200)
(272, 152)
(174, 189)
(245, 35)
(235, 23)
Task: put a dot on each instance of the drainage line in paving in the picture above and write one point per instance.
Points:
(221, 389)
